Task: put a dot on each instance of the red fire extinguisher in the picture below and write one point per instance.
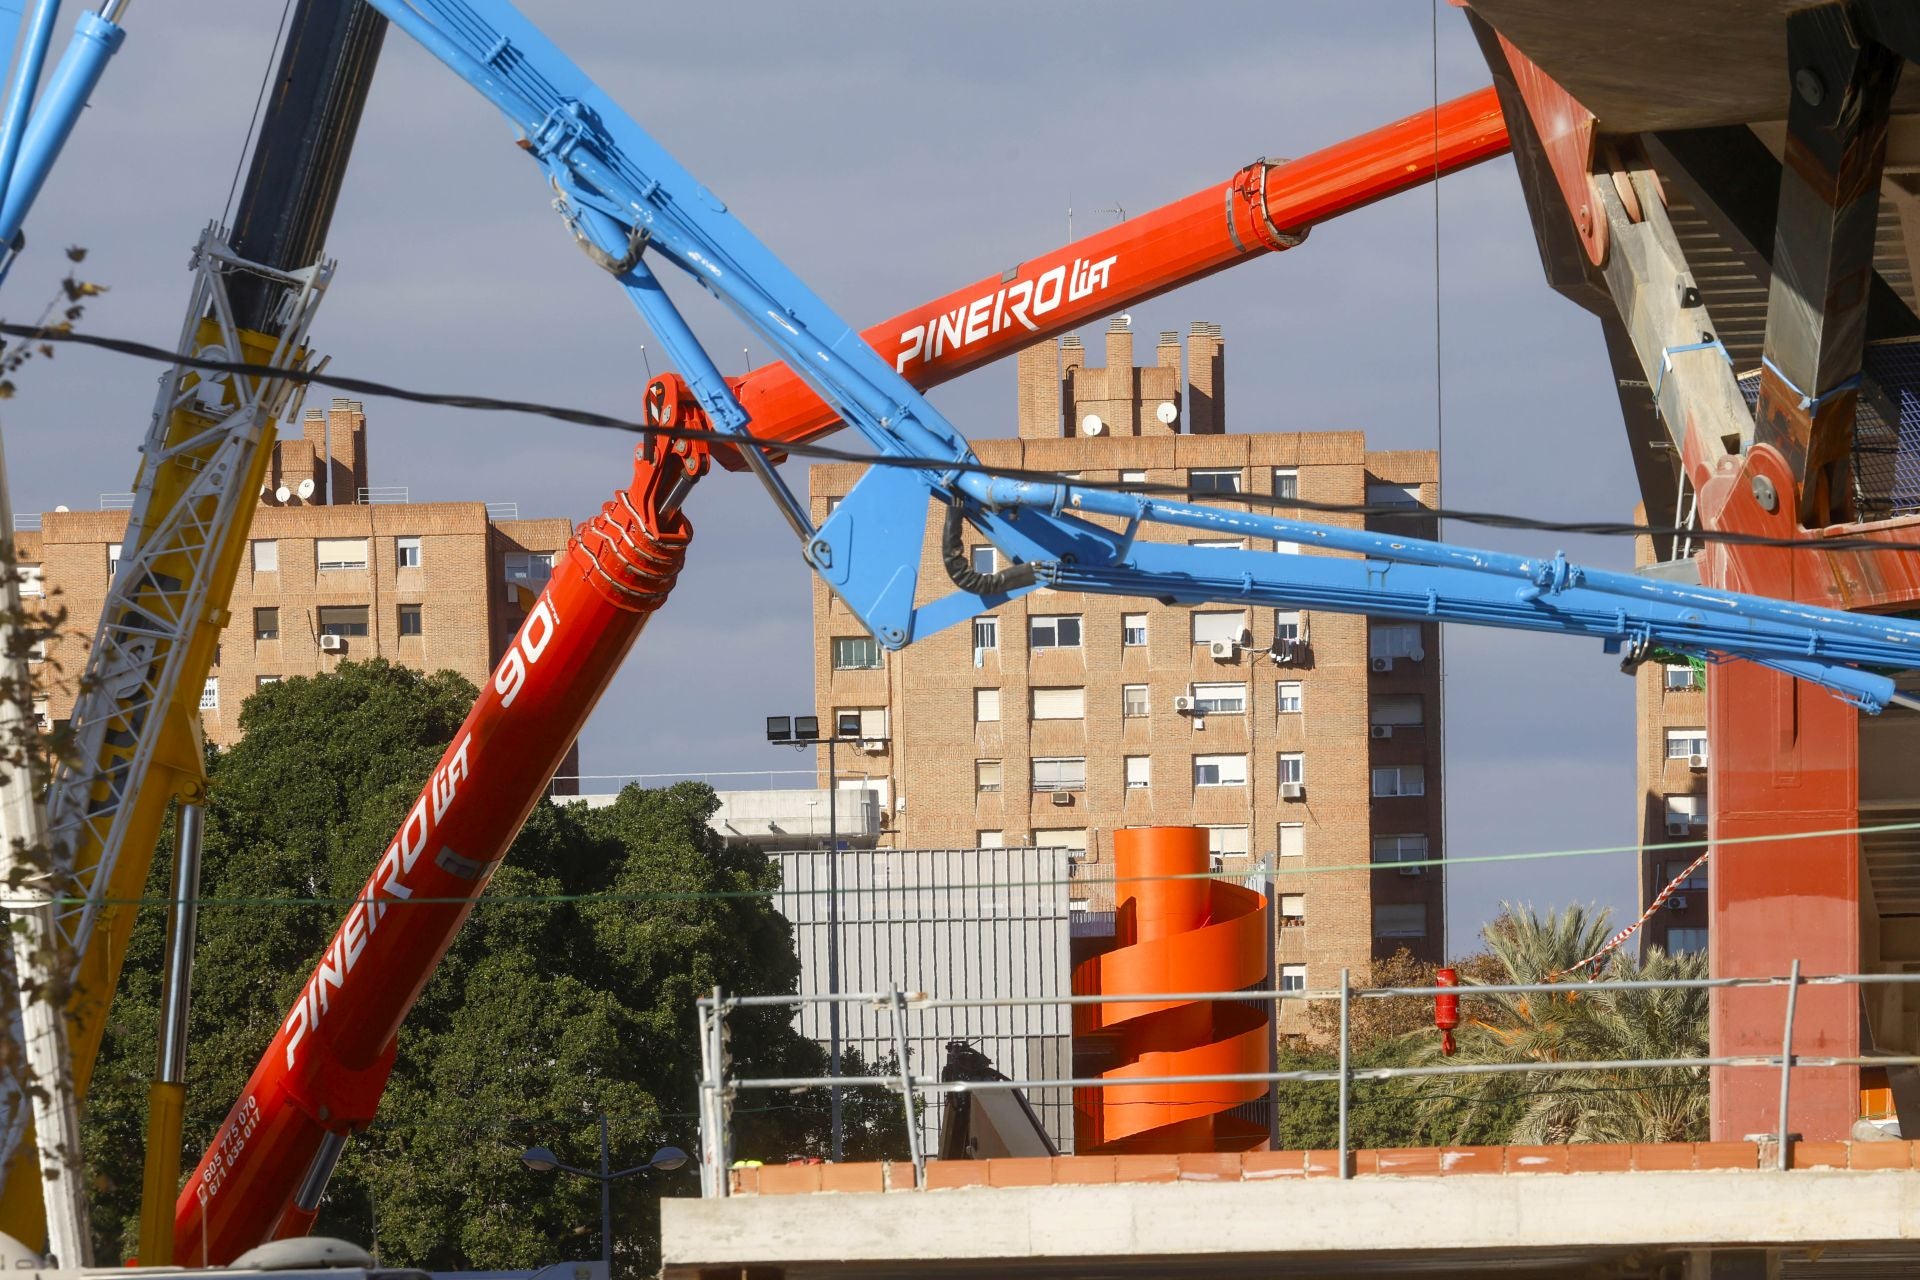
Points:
(1446, 1008)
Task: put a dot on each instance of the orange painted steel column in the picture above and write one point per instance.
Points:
(1174, 935)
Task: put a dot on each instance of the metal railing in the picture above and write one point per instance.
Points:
(116, 502)
(717, 1089)
(26, 524)
(381, 495)
(503, 511)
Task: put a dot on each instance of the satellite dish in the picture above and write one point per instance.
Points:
(1092, 426)
(283, 493)
(63, 507)
(1168, 412)
(1417, 654)
(306, 488)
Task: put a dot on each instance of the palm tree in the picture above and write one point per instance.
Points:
(1607, 1104)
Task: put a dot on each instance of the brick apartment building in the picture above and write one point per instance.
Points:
(1670, 776)
(1061, 717)
(330, 576)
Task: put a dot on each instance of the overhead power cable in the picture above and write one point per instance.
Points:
(1079, 881)
(604, 421)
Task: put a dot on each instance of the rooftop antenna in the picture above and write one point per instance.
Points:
(645, 360)
(748, 357)
(1116, 209)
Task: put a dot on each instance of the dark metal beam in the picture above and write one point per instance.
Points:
(1841, 84)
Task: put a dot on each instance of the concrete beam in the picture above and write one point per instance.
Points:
(1494, 1223)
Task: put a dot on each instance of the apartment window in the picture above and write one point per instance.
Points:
(1214, 480)
(340, 553)
(1060, 773)
(113, 559)
(1686, 811)
(1695, 882)
(1220, 771)
(1133, 477)
(1286, 548)
(1079, 906)
(1287, 695)
(42, 713)
(1407, 710)
(1293, 767)
(1219, 699)
(1287, 627)
(37, 652)
(31, 582)
(1407, 848)
(986, 775)
(1139, 771)
(833, 503)
(266, 555)
(1286, 483)
(856, 653)
(1133, 630)
(411, 621)
(1047, 631)
(529, 569)
(406, 553)
(868, 723)
(986, 635)
(1381, 493)
(986, 706)
(1293, 840)
(261, 682)
(1400, 780)
(343, 620)
(990, 839)
(1681, 675)
(1221, 544)
(1224, 843)
(1686, 941)
(984, 560)
(1293, 977)
(1400, 920)
(1395, 640)
(1293, 908)
(1209, 626)
(1071, 839)
(266, 624)
(1682, 743)
(1133, 701)
(210, 694)
(1059, 704)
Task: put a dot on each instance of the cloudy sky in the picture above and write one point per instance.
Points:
(891, 152)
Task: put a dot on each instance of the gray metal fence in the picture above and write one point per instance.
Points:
(976, 923)
(900, 1009)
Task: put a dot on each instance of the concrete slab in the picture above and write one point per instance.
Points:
(1620, 1222)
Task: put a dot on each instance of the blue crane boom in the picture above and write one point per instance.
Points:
(625, 198)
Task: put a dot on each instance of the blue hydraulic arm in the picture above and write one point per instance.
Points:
(35, 124)
(623, 197)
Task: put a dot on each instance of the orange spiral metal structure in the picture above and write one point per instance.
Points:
(1172, 935)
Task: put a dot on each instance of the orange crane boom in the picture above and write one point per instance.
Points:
(1266, 206)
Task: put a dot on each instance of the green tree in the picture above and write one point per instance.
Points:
(1578, 1025)
(547, 1012)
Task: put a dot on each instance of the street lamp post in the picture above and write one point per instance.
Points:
(542, 1160)
(801, 732)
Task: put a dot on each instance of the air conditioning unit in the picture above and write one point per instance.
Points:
(1182, 703)
(1678, 828)
(1223, 650)
(1380, 731)
(333, 644)
(1063, 797)
(1382, 664)
(1678, 902)
(1411, 871)
(1293, 791)
(873, 746)
(1697, 762)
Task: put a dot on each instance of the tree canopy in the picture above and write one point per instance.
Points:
(548, 1011)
